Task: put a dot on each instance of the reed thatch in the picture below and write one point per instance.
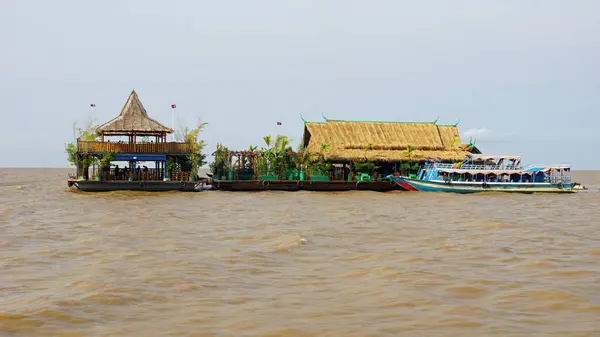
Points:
(383, 141)
(133, 119)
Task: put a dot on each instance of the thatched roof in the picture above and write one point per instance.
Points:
(133, 119)
(388, 141)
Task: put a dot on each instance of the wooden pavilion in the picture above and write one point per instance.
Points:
(146, 142)
(386, 143)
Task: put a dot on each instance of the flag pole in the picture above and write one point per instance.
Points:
(93, 106)
(279, 125)
(173, 107)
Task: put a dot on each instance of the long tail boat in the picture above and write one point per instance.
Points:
(479, 173)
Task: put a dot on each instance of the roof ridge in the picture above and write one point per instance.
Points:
(366, 121)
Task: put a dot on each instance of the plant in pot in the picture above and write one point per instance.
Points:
(303, 160)
(105, 164)
(318, 170)
(228, 167)
(82, 160)
(276, 158)
(196, 158)
(172, 166)
(365, 169)
(282, 156)
(217, 167)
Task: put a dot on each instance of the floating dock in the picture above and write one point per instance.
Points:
(305, 185)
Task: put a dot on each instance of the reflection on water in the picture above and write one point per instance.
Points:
(295, 264)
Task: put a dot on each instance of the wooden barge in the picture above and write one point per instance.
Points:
(141, 186)
(308, 185)
(338, 156)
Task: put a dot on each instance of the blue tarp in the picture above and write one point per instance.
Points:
(140, 157)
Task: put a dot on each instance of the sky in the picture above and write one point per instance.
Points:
(523, 77)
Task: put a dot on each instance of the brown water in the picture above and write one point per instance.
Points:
(295, 264)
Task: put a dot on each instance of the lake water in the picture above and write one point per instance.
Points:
(295, 263)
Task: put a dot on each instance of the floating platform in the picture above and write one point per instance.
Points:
(142, 186)
(305, 185)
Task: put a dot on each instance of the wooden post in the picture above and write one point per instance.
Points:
(254, 168)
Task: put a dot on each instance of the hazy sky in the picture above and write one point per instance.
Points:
(522, 76)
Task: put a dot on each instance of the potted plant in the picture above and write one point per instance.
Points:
(318, 171)
(105, 165)
(276, 158)
(228, 167)
(196, 158)
(303, 159)
(172, 166)
(217, 167)
(365, 170)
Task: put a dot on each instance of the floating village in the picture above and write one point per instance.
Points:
(334, 155)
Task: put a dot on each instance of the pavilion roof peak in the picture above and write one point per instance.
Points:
(133, 118)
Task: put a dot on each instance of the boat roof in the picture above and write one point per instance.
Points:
(532, 168)
(471, 156)
(527, 170)
(496, 172)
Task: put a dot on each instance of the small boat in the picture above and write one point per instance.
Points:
(479, 173)
(578, 187)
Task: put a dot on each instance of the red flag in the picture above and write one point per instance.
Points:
(279, 123)
(93, 105)
(173, 106)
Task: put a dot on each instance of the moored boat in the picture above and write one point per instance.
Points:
(479, 173)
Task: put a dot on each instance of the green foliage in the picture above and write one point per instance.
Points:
(89, 132)
(319, 168)
(71, 151)
(277, 156)
(82, 160)
(409, 167)
(324, 148)
(456, 143)
(172, 165)
(105, 161)
(365, 167)
(303, 159)
(197, 157)
(219, 166)
(410, 151)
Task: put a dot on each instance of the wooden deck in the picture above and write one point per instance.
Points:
(145, 186)
(306, 185)
(102, 147)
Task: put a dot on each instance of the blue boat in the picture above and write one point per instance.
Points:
(479, 173)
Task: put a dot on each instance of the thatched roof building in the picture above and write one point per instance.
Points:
(133, 119)
(385, 141)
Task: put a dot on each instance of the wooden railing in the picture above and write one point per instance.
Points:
(98, 147)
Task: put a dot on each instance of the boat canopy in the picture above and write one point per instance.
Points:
(496, 172)
(478, 157)
(548, 168)
(530, 170)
